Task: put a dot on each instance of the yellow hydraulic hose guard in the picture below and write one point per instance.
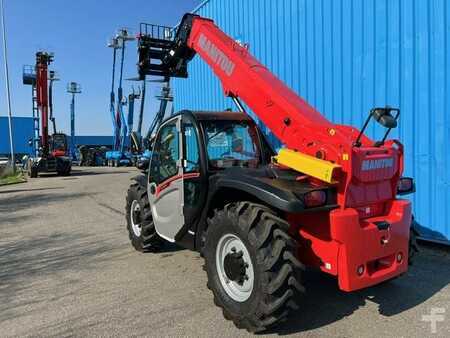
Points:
(308, 165)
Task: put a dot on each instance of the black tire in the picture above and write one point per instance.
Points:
(32, 171)
(413, 249)
(148, 240)
(64, 173)
(68, 171)
(277, 272)
(64, 170)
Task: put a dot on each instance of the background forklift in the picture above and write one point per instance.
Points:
(327, 201)
(50, 151)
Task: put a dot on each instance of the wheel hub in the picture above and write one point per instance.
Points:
(136, 218)
(235, 267)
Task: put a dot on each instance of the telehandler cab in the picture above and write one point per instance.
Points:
(328, 200)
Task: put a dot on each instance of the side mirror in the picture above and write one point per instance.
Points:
(384, 117)
(406, 186)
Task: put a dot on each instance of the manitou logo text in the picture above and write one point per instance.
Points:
(377, 164)
(216, 55)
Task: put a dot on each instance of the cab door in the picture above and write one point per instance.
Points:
(165, 189)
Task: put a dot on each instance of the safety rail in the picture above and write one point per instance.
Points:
(156, 31)
(29, 75)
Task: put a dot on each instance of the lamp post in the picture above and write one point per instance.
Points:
(73, 88)
(53, 76)
(114, 44)
(123, 36)
(8, 93)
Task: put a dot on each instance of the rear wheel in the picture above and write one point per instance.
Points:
(65, 172)
(32, 170)
(251, 265)
(141, 229)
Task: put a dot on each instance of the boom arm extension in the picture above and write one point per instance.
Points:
(316, 146)
(297, 124)
(43, 59)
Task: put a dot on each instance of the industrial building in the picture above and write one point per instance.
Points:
(23, 133)
(346, 57)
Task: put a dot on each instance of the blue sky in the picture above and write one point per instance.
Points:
(77, 32)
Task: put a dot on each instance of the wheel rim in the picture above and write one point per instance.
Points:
(234, 267)
(135, 218)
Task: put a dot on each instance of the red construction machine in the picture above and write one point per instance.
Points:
(51, 150)
(328, 200)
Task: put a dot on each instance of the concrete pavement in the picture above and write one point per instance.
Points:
(67, 269)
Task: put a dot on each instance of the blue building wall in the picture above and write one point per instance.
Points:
(345, 57)
(22, 132)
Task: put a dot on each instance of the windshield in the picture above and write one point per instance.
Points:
(231, 143)
(59, 142)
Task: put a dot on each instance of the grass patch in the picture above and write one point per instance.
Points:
(10, 177)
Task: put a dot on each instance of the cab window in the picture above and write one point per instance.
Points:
(166, 153)
(231, 143)
(191, 149)
(192, 185)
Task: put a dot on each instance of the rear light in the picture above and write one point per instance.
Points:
(315, 198)
(372, 210)
(405, 186)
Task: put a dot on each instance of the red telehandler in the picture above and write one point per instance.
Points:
(328, 200)
(52, 150)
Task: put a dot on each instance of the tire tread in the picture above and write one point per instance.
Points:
(276, 254)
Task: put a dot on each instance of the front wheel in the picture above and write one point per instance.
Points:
(32, 170)
(251, 264)
(141, 229)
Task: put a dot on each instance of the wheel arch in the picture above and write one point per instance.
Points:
(224, 194)
(141, 180)
(276, 194)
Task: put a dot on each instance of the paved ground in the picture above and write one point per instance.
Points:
(67, 269)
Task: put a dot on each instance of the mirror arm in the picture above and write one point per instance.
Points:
(358, 139)
(380, 143)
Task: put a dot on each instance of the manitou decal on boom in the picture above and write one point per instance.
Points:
(216, 55)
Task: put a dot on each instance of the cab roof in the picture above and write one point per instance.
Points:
(222, 115)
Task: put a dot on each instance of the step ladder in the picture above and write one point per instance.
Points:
(29, 78)
(36, 131)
